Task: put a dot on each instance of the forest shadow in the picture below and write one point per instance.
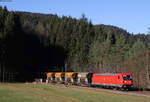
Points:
(30, 58)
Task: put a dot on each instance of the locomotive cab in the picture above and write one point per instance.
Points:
(127, 81)
(127, 77)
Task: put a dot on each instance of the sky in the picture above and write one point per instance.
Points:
(131, 15)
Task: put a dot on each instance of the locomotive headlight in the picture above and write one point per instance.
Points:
(126, 81)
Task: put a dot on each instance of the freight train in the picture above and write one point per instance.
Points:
(107, 80)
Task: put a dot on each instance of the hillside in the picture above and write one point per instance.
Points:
(33, 43)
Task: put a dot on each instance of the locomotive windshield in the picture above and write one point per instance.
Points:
(127, 77)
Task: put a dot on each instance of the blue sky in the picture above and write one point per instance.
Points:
(131, 15)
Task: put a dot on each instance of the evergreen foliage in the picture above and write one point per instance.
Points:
(32, 43)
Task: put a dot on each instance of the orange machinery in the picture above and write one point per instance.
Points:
(71, 77)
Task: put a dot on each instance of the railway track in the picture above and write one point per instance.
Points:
(135, 93)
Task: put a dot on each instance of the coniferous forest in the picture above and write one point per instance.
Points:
(32, 44)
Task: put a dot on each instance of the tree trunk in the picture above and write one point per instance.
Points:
(147, 69)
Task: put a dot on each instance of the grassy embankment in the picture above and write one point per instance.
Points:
(51, 93)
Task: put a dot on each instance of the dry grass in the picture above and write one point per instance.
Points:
(51, 93)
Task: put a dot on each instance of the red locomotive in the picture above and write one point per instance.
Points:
(114, 80)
